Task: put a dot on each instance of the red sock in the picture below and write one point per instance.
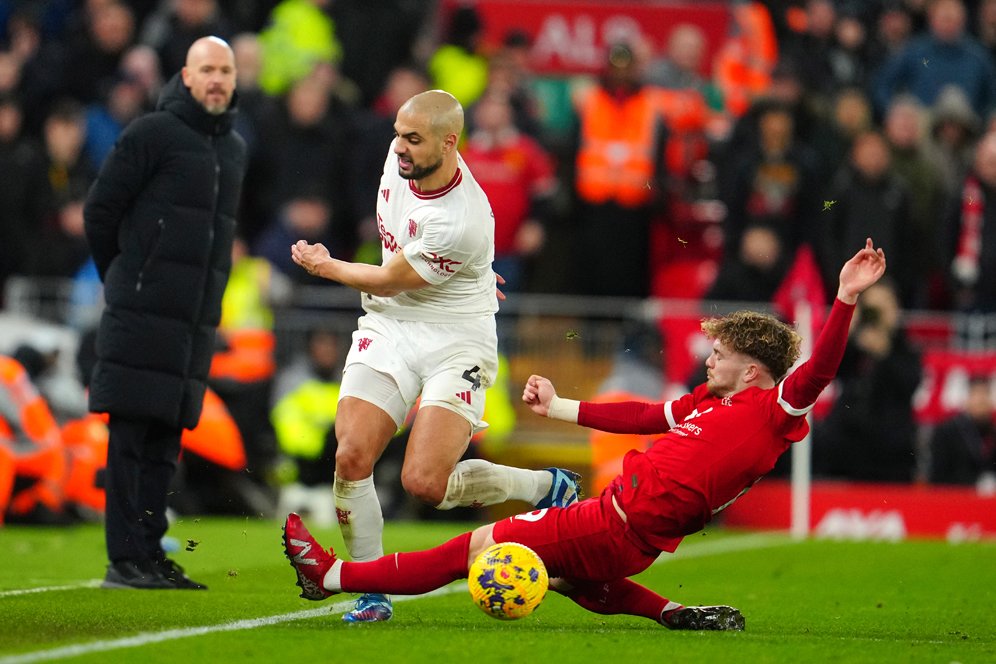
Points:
(409, 573)
(620, 596)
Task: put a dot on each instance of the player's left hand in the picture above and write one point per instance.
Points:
(310, 256)
(501, 282)
(861, 271)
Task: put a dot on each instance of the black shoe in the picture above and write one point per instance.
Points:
(173, 574)
(720, 618)
(138, 574)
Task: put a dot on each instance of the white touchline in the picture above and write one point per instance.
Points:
(92, 583)
(725, 545)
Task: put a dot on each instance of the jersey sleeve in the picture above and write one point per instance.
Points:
(799, 391)
(678, 409)
(444, 248)
(623, 417)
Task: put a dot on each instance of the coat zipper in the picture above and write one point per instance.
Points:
(148, 259)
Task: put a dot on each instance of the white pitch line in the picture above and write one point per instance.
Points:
(92, 583)
(725, 545)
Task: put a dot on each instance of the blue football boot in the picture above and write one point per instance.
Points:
(565, 490)
(371, 607)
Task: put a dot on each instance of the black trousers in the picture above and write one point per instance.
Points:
(141, 461)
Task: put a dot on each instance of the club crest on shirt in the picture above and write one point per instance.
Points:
(412, 228)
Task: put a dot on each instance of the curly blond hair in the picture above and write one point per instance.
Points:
(759, 336)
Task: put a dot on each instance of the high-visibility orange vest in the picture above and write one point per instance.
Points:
(33, 414)
(743, 65)
(616, 160)
(45, 461)
(216, 437)
(86, 446)
(249, 357)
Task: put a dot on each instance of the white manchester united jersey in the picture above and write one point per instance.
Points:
(448, 237)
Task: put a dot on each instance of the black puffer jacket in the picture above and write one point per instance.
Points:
(160, 221)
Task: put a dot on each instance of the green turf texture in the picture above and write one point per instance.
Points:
(814, 601)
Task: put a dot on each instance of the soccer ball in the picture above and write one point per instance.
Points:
(508, 581)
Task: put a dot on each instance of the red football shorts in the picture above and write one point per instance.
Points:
(585, 541)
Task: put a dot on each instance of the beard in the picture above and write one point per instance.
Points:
(214, 107)
(419, 172)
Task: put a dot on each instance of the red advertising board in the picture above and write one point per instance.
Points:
(852, 510)
(571, 37)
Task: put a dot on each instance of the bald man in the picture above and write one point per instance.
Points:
(428, 335)
(160, 222)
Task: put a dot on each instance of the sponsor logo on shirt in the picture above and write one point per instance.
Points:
(686, 428)
(386, 193)
(440, 264)
(386, 237)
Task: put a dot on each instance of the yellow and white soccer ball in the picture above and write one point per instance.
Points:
(508, 581)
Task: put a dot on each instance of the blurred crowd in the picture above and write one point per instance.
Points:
(689, 169)
(740, 171)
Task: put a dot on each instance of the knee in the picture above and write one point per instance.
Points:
(428, 488)
(353, 462)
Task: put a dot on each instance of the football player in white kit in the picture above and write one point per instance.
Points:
(429, 332)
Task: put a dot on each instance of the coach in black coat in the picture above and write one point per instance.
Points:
(160, 221)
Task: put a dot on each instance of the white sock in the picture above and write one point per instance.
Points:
(331, 580)
(360, 518)
(479, 482)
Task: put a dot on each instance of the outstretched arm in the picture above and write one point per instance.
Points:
(803, 386)
(622, 417)
(395, 276)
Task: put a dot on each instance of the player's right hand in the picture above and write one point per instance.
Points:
(310, 256)
(538, 393)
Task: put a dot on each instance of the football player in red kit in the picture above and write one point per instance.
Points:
(715, 443)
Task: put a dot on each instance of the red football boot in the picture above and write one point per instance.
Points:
(307, 558)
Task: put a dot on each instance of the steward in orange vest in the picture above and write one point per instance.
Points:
(33, 442)
(617, 179)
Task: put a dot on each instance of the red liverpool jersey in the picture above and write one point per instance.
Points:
(715, 448)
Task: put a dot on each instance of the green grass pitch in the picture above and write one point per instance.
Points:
(812, 601)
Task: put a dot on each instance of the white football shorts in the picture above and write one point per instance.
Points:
(448, 364)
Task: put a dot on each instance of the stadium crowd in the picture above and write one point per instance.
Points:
(740, 171)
